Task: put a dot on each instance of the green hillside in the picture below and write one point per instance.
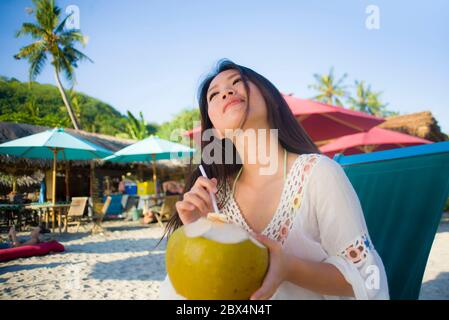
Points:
(41, 104)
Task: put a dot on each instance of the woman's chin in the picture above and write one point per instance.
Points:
(233, 117)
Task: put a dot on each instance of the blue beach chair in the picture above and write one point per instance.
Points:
(402, 193)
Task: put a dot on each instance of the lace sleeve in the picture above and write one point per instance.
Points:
(343, 231)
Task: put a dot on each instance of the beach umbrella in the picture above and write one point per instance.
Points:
(55, 144)
(322, 122)
(151, 149)
(376, 139)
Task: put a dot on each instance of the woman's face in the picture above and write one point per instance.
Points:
(227, 103)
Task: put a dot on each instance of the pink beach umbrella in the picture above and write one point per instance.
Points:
(376, 139)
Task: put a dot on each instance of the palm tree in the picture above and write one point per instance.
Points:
(51, 39)
(330, 90)
(75, 104)
(136, 129)
(368, 101)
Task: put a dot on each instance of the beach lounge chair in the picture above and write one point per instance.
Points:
(115, 208)
(167, 209)
(98, 215)
(402, 193)
(76, 212)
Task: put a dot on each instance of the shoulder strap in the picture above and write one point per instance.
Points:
(235, 180)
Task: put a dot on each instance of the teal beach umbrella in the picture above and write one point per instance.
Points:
(53, 144)
(151, 149)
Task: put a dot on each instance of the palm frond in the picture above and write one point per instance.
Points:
(320, 98)
(47, 13)
(76, 55)
(133, 120)
(30, 50)
(131, 131)
(317, 77)
(340, 81)
(31, 29)
(61, 25)
(338, 102)
(66, 66)
(70, 36)
(38, 61)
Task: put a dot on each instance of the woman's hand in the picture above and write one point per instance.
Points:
(197, 202)
(277, 271)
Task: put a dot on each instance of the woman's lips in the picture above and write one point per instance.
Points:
(232, 103)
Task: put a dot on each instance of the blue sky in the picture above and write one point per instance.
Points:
(151, 55)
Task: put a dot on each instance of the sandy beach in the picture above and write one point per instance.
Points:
(435, 284)
(123, 263)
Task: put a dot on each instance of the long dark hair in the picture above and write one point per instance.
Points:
(291, 134)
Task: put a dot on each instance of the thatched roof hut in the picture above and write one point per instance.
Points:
(419, 124)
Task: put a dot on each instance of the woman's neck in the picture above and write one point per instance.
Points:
(261, 153)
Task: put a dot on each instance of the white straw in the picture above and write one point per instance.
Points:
(212, 195)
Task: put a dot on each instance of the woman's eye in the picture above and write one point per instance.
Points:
(212, 95)
(233, 83)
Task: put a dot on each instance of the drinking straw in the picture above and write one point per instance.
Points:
(212, 195)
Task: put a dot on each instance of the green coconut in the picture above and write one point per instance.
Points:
(213, 260)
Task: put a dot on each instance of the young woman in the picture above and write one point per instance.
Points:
(306, 212)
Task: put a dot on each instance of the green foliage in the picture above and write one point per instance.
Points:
(368, 101)
(184, 120)
(52, 40)
(332, 91)
(41, 104)
(137, 129)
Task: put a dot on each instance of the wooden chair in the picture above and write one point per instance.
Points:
(98, 216)
(76, 212)
(167, 210)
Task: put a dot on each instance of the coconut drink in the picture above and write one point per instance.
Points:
(211, 259)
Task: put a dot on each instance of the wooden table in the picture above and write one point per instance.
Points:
(58, 208)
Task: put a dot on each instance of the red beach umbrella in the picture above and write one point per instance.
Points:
(376, 139)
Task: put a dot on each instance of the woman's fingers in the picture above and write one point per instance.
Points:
(197, 201)
(184, 206)
(209, 184)
(186, 212)
(203, 194)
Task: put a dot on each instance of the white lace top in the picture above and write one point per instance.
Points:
(281, 222)
(319, 218)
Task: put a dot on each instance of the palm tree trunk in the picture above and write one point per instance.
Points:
(66, 101)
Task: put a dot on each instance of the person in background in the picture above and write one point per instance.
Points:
(121, 185)
(35, 238)
(170, 188)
